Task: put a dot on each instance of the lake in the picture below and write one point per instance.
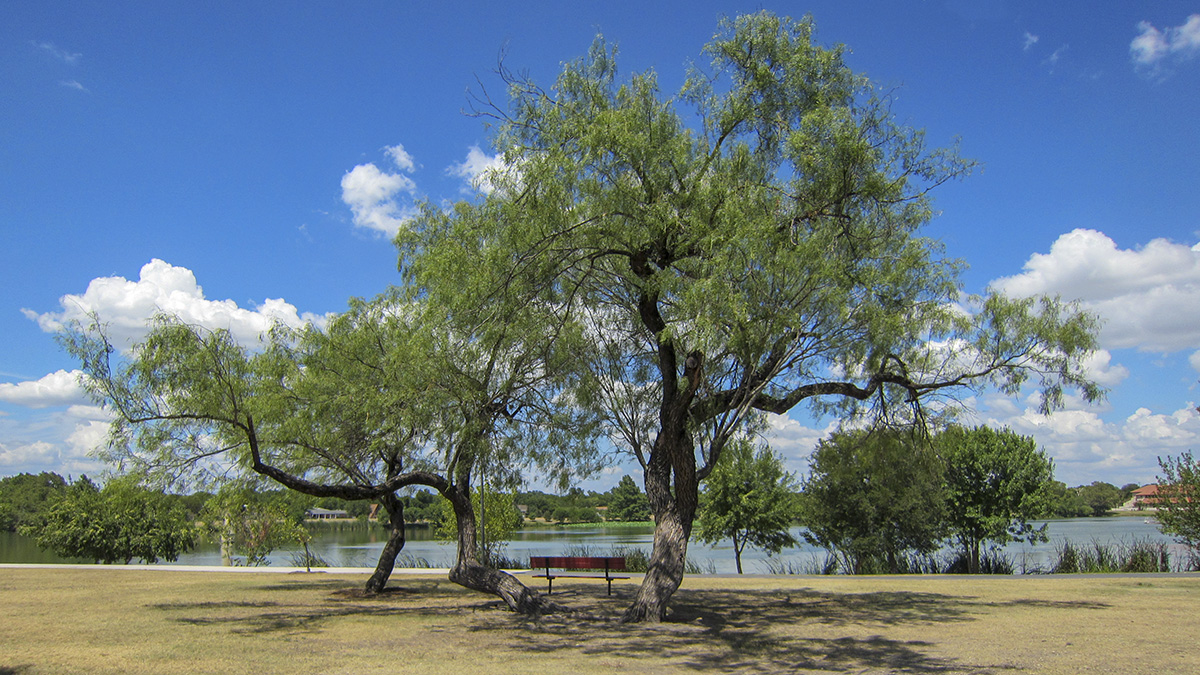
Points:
(360, 547)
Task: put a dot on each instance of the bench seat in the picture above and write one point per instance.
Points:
(544, 564)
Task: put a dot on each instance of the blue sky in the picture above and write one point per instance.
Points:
(242, 161)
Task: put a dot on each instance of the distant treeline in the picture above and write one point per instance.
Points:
(1082, 501)
(24, 498)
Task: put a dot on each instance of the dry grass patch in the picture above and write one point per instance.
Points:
(108, 621)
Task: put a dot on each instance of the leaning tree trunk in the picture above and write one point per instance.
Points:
(395, 542)
(674, 511)
(470, 572)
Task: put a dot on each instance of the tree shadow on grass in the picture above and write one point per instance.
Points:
(305, 583)
(767, 631)
(782, 631)
(341, 600)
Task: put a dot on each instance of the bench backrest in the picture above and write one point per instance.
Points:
(577, 563)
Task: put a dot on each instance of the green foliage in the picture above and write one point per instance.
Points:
(996, 481)
(1097, 499)
(250, 525)
(26, 497)
(1100, 497)
(750, 499)
(115, 524)
(1179, 500)
(1127, 491)
(577, 506)
(874, 499)
(627, 502)
(422, 506)
(745, 244)
(576, 514)
(1065, 502)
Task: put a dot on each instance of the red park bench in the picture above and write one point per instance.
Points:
(547, 563)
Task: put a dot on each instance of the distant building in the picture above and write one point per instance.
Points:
(316, 513)
(1146, 497)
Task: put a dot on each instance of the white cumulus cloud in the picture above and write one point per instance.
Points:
(794, 441)
(374, 195)
(1085, 447)
(478, 170)
(401, 158)
(1101, 369)
(38, 453)
(54, 440)
(88, 436)
(1194, 360)
(1148, 297)
(1152, 46)
(126, 306)
(57, 388)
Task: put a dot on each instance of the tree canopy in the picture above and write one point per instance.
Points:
(392, 393)
(25, 497)
(628, 502)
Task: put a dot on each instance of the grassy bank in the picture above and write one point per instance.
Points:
(130, 621)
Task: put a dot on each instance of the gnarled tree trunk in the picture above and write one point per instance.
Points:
(674, 511)
(395, 543)
(470, 572)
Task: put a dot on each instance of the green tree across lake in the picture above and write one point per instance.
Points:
(115, 524)
(749, 499)
(996, 482)
(872, 498)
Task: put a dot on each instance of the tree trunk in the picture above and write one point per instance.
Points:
(737, 551)
(395, 543)
(665, 573)
(470, 572)
(674, 511)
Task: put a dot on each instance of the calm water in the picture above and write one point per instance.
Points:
(360, 548)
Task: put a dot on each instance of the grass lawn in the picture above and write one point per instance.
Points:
(149, 621)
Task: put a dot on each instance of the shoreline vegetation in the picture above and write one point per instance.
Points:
(1092, 556)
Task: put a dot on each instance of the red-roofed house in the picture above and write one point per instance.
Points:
(1146, 497)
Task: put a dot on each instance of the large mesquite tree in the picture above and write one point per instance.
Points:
(748, 244)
